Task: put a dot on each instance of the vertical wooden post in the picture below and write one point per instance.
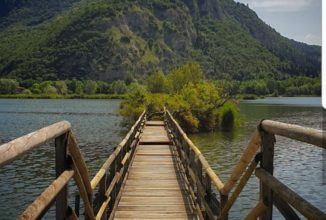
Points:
(208, 193)
(224, 199)
(266, 193)
(61, 164)
(102, 190)
(77, 203)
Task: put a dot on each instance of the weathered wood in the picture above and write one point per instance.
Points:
(61, 164)
(242, 164)
(145, 189)
(79, 161)
(238, 189)
(285, 209)
(83, 193)
(181, 134)
(99, 175)
(296, 201)
(35, 209)
(257, 211)
(296, 132)
(267, 163)
(20, 146)
(71, 215)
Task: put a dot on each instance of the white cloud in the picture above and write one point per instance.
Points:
(279, 5)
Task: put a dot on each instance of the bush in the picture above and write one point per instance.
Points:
(90, 87)
(26, 92)
(228, 116)
(8, 86)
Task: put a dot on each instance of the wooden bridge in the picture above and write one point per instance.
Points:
(156, 172)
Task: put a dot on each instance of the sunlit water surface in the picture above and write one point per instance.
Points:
(96, 124)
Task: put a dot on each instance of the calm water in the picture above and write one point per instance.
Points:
(96, 124)
(300, 166)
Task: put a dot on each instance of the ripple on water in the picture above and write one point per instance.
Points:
(296, 164)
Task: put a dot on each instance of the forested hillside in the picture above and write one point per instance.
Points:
(110, 40)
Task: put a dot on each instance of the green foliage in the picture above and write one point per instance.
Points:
(90, 87)
(134, 104)
(157, 83)
(119, 87)
(49, 90)
(8, 86)
(61, 87)
(228, 116)
(188, 73)
(194, 102)
(108, 40)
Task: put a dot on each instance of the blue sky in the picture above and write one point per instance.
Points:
(296, 19)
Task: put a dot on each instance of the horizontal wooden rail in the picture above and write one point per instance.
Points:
(296, 132)
(100, 174)
(198, 155)
(20, 146)
(35, 209)
(299, 203)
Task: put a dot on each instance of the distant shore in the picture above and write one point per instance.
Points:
(71, 96)
(113, 96)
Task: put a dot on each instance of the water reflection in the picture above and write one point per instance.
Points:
(298, 165)
(96, 124)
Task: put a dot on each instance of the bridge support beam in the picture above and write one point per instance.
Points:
(267, 163)
(61, 164)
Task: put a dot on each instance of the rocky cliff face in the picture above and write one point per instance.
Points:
(111, 40)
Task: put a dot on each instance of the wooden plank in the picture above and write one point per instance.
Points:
(152, 214)
(154, 188)
(154, 123)
(181, 207)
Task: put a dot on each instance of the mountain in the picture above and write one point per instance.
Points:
(114, 39)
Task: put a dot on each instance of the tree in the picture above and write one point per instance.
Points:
(61, 87)
(90, 87)
(8, 86)
(119, 87)
(157, 83)
(188, 73)
(50, 90)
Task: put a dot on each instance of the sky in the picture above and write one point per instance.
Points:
(299, 20)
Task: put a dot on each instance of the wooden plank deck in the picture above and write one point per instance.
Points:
(154, 188)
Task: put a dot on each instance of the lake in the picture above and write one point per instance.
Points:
(97, 126)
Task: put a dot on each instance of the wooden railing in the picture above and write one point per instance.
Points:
(260, 150)
(69, 163)
(212, 198)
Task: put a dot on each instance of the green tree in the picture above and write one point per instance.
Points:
(157, 83)
(50, 90)
(188, 73)
(61, 87)
(90, 87)
(8, 86)
(119, 87)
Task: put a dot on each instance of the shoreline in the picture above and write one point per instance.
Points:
(72, 96)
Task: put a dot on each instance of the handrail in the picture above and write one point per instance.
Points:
(70, 163)
(296, 132)
(35, 209)
(20, 146)
(260, 149)
(96, 179)
(215, 179)
(299, 203)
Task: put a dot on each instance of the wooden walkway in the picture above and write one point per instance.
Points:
(155, 188)
(156, 172)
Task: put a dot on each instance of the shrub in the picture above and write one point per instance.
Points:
(8, 86)
(228, 116)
